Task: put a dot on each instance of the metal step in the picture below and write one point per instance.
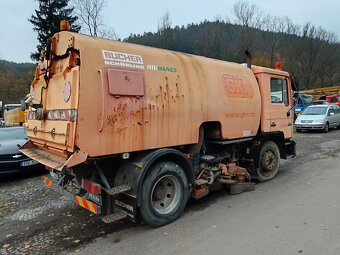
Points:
(117, 215)
(201, 181)
(225, 181)
(118, 189)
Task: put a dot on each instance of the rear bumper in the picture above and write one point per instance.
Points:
(51, 158)
(88, 205)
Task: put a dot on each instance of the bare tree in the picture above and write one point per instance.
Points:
(164, 29)
(290, 49)
(276, 29)
(250, 18)
(312, 40)
(327, 67)
(90, 16)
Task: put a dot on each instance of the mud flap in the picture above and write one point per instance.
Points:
(127, 203)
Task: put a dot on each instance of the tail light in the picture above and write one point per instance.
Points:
(92, 187)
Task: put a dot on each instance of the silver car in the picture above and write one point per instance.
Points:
(321, 117)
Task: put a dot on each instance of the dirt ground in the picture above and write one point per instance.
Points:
(34, 219)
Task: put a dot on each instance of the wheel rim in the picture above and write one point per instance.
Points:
(268, 161)
(165, 195)
(326, 128)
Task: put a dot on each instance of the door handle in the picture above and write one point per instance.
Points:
(273, 124)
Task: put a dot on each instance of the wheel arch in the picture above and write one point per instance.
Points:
(278, 138)
(138, 167)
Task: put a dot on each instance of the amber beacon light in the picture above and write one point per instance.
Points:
(278, 65)
(64, 25)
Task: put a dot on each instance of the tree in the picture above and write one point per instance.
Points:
(164, 30)
(250, 18)
(311, 43)
(47, 20)
(275, 37)
(91, 18)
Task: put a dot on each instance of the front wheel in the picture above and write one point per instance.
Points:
(269, 162)
(326, 128)
(165, 193)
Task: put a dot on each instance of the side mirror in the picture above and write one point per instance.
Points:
(295, 83)
(23, 105)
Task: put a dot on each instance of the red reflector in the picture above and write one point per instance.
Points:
(295, 148)
(77, 61)
(48, 168)
(93, 188)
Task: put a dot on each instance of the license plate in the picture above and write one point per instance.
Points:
(29, 163)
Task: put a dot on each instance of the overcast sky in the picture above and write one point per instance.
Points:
(18, 40)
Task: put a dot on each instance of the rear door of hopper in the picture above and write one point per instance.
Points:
(58, 96)
(280, 96)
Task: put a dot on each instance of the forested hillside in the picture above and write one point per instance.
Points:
(15, 80)
(308, 52)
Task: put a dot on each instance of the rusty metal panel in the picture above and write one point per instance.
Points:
(125, 82)
(46, 158)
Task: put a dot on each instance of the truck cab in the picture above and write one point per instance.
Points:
(276, 100)
(301, 102)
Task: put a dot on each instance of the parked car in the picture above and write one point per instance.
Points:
(319, 117)
(332, 99)
(320, 101)
(11, 160)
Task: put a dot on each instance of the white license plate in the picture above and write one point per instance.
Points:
(29, 163)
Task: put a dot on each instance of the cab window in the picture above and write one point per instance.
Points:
(276, 85)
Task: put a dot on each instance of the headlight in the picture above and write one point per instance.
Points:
(298, 121)
(319, 121)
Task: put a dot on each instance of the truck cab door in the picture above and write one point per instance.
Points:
(281, 116)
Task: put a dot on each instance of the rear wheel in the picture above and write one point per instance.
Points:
(269, 162)
(164, 194)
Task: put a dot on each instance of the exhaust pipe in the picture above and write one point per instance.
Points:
(249, 58)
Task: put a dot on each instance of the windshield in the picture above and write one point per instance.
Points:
(315, 111)
(12, 133)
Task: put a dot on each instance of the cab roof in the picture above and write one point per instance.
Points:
(260, 69)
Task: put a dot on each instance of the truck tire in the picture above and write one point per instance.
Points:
(165, 192)
(269, 162)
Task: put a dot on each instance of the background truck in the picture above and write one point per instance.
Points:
(301, 102)
(13, 115)
(130, 130)
(318, 92)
